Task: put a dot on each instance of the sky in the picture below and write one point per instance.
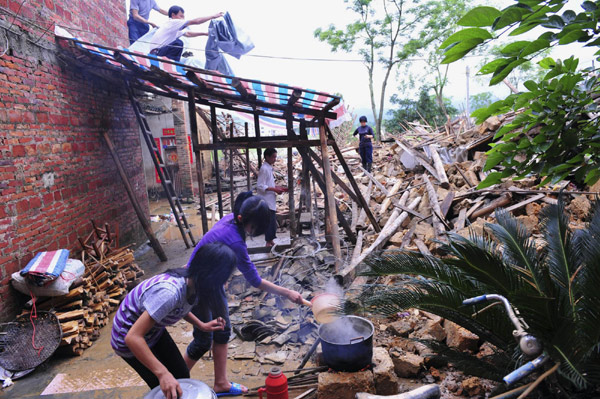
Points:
(284, 28)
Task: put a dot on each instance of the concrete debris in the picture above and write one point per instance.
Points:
(345, 385)
(386, 380)
(407, 364)
(460, 338)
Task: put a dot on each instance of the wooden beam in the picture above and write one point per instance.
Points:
(136, 205)
(213, 121)
(294, 97)
(364, 204)
(231, 189)
(336, 178)
(257, 134)
(199, 168)
(221, 145)
(331, 206)
(248, 182)
(290, 175)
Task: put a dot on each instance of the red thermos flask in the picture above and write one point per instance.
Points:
(276, 385)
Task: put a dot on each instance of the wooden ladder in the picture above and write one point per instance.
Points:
(163, 173)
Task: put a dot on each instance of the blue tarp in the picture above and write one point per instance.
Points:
(224, 37)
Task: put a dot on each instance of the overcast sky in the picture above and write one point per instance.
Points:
(284, 28)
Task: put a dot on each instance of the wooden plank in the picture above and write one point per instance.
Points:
(155, 244)
(350, 176)
(422, 247)
(331, 205)
(438, 226)
(462, 218)
(447, 203)
(336, 178)
(248, 182)
(213, 123)
(388, 200)
(439, 167)
(351, 271)
(290, 178)
(525, 202)
(198, 154)
(231, 185)
(257, 134)
(420, 158)
(499, 202)
(266, 143)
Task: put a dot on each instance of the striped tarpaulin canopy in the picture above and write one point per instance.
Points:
(163, 76)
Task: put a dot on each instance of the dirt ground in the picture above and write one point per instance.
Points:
(99, 373)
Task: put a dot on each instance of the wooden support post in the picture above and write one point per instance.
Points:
(213, 123)
(199, 168)
(332, 220)
(257, 133)
(136, 205)
(290, 172)
(305, 193)
(360, 198)
(439, 167)
(231, 189)
(248, 182)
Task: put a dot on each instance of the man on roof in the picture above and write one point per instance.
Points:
(166, 41)
(138, 22)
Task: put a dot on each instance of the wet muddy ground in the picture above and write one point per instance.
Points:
(99, 373)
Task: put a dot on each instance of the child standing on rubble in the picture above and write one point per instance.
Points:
(139, 335)
(365, 147)
(251, 216)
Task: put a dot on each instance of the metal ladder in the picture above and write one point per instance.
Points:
(163, 173)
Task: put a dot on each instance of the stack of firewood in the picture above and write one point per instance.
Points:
(92, 298)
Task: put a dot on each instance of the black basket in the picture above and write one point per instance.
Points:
(18, 353)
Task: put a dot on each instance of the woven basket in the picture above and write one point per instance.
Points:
(18, 353)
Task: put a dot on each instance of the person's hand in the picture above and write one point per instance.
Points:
(217, 324)
(368, 136)
(219, 15)
(283, 189)
(169, 386)
(152, 24)
(277, 190)
(295, 297)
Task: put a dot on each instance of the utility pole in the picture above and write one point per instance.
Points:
(468, 108)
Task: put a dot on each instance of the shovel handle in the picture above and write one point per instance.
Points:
(307, 303)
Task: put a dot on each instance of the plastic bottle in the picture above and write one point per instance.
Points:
(276, 385)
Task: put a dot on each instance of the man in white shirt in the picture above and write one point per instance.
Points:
(265, 186)
(138, 22)
(166, 42)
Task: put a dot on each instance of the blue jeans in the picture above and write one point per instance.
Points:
(137, 29)
(366, 154)
(271, 232)
(172, 51)
(203, 340)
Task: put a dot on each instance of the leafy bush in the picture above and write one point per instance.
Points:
(555, 289)
(556, 136)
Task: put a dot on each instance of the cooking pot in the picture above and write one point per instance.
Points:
(347, 343)
(192, 389)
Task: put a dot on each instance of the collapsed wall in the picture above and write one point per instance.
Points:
(55, 170)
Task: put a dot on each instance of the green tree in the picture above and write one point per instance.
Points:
(553, 283)
(426, 108)
(387, 33)
(556, 134)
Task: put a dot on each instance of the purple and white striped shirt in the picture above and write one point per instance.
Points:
(164, 297)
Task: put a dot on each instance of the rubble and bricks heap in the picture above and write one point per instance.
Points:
(55, 173)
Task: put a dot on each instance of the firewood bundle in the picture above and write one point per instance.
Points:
(92, 298)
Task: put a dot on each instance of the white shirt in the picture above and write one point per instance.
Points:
(167, 33)
(264, 181)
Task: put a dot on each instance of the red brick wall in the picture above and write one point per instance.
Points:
(55, 171)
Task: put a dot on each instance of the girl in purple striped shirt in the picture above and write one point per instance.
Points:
(139, 335)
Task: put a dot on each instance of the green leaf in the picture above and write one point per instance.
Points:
(509, 16)
(514, 48)
(589, 6)
(530, 85)
(535, 46)
(547, 63)
(459, 50)
(493, 158)
(554, 22)
(466, 34)
(570, 37)
(494, 65)
(490, 180)
(592, 177)
(503, 73)
(569, 16)
(480, 16)
(523, 28)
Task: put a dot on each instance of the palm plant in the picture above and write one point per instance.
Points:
(555, 287)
